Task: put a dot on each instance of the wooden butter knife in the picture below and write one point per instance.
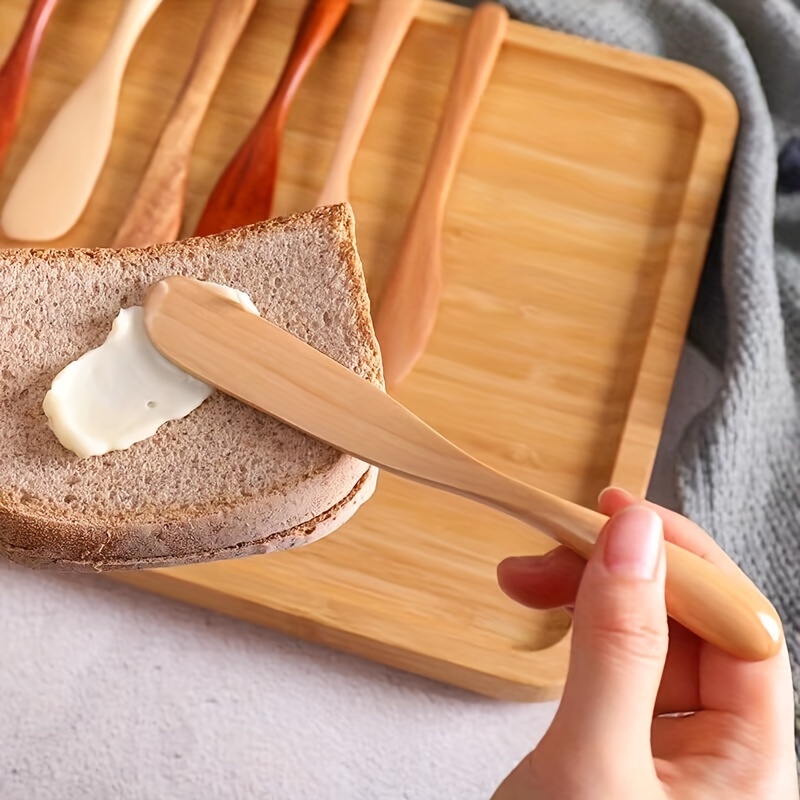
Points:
(16, 72)
(389, 28)
(410, 301)
(55, 184)
(219, 342)
(156, 211)
(244, 192)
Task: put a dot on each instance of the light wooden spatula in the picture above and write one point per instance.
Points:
(156, 210)
(389, 28)
(262, 365)
(15, 74)
(57, 181)
(410, 300)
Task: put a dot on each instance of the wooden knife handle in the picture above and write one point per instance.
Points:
(156, 209)
(477, 57)
(409, 303)
(724, 609)
(319, 21)
(389, 28)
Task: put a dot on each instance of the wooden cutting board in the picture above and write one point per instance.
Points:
(574, 239)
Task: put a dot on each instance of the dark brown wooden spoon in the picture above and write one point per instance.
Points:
(244, 192)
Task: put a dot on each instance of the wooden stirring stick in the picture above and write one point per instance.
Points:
(219, 342)
(56, 183)
(244, 192)
(156, 210)
(16, 72)
(391, 24)
(407, 309)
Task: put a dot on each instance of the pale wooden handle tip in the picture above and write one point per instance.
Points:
(722, 609)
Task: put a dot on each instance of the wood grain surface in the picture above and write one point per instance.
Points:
(574, 237)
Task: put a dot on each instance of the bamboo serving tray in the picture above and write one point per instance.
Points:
(574, 238)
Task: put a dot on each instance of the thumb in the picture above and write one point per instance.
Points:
(619, 639)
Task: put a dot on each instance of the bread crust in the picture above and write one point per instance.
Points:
(42, 543)
(40, 527)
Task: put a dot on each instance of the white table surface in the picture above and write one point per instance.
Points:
(108, 693)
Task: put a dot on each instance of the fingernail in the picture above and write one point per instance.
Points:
(537, 559)
(633, 543)
(612, 489)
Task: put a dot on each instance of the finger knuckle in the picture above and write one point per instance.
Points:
(642, 639)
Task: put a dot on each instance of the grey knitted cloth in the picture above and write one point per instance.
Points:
(738, 472)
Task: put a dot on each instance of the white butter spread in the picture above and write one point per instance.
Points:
(123, 391)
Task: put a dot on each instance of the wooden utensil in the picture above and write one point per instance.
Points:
(56, 183)
(407, 309)
(244, 192)
(16, 72)
(156, 210)
(389, 28)
(219, 342)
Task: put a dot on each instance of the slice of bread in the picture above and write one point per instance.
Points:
(226, 480)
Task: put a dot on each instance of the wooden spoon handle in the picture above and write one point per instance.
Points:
(16, 72)
(156, 209)
(244, 192)
(410, 301)
(389, 28)
(320, 20)
(220, 343)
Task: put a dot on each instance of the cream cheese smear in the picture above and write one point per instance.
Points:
(123, 391)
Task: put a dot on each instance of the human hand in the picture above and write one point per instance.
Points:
(649, 711)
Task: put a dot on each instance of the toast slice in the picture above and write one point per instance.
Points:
(225, 481)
